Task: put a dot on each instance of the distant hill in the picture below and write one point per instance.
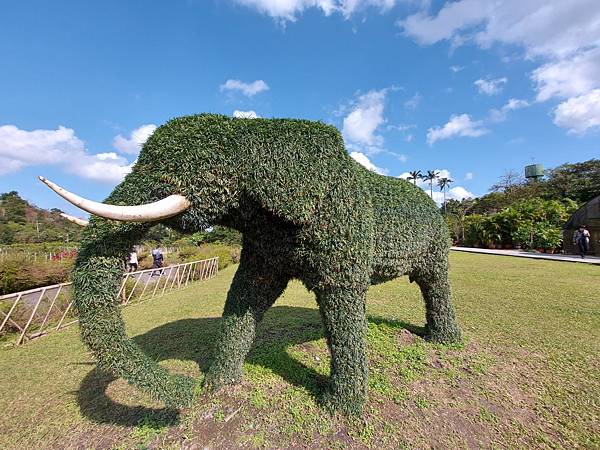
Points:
(24, 223)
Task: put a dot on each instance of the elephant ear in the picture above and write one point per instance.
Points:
(297, 163)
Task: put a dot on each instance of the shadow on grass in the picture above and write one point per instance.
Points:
(193, 340)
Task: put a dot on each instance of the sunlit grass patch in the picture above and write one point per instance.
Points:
(527, 375)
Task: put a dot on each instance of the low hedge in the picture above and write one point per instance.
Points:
(19, 273)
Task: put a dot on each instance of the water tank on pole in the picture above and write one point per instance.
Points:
(534, 171)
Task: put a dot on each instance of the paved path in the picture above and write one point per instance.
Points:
(535, 255)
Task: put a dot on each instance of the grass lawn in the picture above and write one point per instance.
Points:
(528, 374)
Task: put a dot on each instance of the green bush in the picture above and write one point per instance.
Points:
(547, 236)
(19, 273)
(227, 254)
(217, 234)
(474, 226)
(524, 234)
(533, 222)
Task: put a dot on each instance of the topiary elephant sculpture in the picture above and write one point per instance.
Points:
(306, 210)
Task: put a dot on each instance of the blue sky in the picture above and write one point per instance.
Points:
(471, 87)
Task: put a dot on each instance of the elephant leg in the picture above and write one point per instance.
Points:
(344, 317)
(441, 321)
(253, 290)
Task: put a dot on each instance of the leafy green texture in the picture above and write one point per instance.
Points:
(531, 223)
(20, 273)
(306, 210)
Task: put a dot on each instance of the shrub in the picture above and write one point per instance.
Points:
(533, 222)
(524, 234)
(474, 230)
(227, 254)
(19, 273)
(547, 236)
(217, 234)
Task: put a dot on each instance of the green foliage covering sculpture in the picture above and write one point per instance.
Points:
(306, 210)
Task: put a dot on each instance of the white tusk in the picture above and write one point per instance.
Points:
(77, 220)
(150, 212)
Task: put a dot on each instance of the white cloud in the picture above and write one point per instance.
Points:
(108, 156)
(362, 159)
(101, 168)
(413, 102)
(361, 124)
(8, 165)
(570, 76)
(490, 87)
(579, 114)
(515, 103)
(456, 69)
(457, 126)
(500, 115)
(469, 176)
(248, 89)
(443, 173)
(451, 19)
(402, 127)
(455, 193)
(563, 34)
(289, 10)
(245, 114)
(133, 143)
(21, 148)
(350, 7)
(542, 27)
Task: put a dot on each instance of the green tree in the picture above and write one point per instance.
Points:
(456, 212)
(13, 208)
(415, 175)
(7, 234)
(220, 234)
(430, 177)
(578, 181)
(443, 183)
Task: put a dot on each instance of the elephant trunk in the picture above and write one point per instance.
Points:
(96, 279)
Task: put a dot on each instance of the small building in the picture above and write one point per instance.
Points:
(588, 215)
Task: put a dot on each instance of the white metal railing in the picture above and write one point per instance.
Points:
(35, 312)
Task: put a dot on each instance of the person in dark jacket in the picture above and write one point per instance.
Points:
(157, 260)
(581, 238)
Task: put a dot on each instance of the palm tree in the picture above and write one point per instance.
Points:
(415, 175)
(443, 183)
(431, 175)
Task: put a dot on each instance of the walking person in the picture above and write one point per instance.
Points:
(157, 260)
(581, 238)
(133, 261)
